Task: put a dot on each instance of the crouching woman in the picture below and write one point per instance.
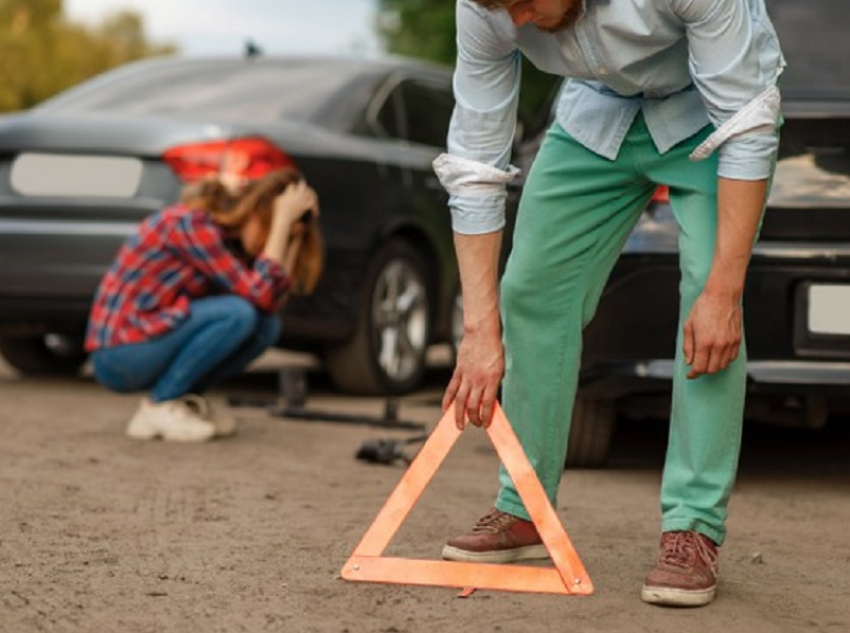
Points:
(192, 298)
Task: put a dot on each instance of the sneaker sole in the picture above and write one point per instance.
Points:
(146, 434)
(671, 597)
(169, 437)
(140, 431)
(531, 552)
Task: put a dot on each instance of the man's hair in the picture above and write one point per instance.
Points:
(493, 4)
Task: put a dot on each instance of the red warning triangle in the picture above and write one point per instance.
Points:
(368, 565)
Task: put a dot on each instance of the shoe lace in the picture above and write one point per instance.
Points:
(493, 522)
(679, 549)
(707, 552)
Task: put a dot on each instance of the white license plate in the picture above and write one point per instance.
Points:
(76, 176)
(829, 309)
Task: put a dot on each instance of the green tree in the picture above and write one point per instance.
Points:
(426, 29)
(42, 53)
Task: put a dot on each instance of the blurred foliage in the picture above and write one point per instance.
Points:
(426, 29)
(42, 53)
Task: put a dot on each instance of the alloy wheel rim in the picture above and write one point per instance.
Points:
(400, 318)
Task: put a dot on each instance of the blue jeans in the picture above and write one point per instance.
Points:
(218, 340)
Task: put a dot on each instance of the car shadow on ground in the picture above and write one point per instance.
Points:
(767, 450)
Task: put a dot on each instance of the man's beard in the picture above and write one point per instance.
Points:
(570, 17)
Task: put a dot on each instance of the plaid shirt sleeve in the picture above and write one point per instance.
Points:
(200, 241)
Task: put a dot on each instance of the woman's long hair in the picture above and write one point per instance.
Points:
(231, 212)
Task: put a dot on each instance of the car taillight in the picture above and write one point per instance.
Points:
(662, 194)
(238, 159)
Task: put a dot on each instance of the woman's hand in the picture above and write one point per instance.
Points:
(296, 200)
(289, 207)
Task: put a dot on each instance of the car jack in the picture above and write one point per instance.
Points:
(292, 404)
(387, 451)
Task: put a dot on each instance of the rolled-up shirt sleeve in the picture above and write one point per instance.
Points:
(735, 62)
(486, 87)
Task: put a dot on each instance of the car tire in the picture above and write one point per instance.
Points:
(591, 432)
(43, 355)
(387, 354)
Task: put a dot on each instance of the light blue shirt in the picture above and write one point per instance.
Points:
(683, 63)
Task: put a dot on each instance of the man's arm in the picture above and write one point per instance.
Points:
(713, 330)
(735, 61)
(480, 361)
(474, 171)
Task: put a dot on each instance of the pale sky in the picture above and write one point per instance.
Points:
(211, 27)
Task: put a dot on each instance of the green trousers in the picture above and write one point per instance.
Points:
(576, 212)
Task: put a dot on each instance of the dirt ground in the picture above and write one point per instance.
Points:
(102, 534)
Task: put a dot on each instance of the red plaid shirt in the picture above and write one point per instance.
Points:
(177, 255)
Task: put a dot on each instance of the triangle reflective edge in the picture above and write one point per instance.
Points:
(367, 564)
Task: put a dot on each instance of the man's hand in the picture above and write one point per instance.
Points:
(481, 357)
(712, 333)
(478, 372)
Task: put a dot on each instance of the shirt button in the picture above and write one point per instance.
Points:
(602, 70)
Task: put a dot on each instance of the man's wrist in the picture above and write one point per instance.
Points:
(487, 322)
(725, 287)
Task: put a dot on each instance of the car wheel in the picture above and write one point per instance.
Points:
(387, 353)
(43, 355)
(591, 431)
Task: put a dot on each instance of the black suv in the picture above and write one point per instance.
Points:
(797, 299)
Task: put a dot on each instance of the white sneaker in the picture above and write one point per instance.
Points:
(172, 420)
(224, 423)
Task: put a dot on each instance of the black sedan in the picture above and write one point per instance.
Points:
(78, 172)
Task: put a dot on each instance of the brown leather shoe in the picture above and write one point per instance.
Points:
(686, 572)
(497, 537)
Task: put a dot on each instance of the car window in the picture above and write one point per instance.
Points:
(427, 111)
(230, 91)
(389, 115)
(813, 169)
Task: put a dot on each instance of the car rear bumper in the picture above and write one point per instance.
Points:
(20, 316)
(630, 343)
(761, 374)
